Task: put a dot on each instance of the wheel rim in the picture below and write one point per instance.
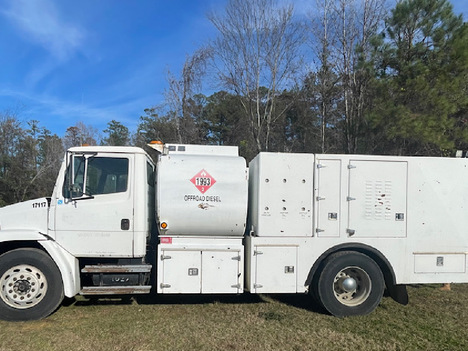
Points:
(352, 286)
(23, 286)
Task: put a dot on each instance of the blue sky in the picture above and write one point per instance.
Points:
(96, 60)
(93, 60)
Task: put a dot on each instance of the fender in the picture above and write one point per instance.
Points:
(21, 235)
(397, 292)
(66, 263)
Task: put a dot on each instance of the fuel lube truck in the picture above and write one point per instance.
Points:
(193, 219)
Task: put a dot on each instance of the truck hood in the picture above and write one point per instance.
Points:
(30, 215)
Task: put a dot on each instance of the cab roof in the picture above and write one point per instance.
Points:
(109, 149)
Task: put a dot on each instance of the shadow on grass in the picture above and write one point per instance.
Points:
(99, 300)
(197, 299)
(154, 299)
(302, 301)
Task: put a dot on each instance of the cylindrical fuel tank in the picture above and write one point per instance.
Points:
(201, 195)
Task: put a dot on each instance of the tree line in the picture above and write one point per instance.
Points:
(351, 76)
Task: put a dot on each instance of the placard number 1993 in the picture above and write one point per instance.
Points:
(203, 181)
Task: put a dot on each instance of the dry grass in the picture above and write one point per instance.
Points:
(434, 320)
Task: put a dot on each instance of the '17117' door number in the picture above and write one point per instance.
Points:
(39, 204)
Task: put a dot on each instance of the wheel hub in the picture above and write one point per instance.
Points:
(349, 284)
(352, 286)
(23, 286)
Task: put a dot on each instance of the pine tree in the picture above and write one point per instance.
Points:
(421, 96)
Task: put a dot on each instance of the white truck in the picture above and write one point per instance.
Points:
(179, 219)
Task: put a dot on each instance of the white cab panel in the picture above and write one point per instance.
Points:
(30, 215)
(102, 225)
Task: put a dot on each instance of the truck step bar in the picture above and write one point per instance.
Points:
(115, 290)
(116, 279)
(141, 268)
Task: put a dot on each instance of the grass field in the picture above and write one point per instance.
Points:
(434, 320)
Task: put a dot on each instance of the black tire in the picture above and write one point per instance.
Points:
(313, 289)
(350, 284)
(31, 286)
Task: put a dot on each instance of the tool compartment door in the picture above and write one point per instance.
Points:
(200, 271)
(275, 269)
(328, 197)
(181, 271)
(377, 198)
(221, 272)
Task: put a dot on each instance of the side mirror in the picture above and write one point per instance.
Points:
(76, 177)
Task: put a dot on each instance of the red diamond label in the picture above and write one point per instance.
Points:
(203, 181)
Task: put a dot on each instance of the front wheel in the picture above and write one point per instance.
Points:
(30, 285)
(350, 283)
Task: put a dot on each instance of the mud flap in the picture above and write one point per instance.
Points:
(398, 293)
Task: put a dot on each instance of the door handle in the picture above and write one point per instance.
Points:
(125, 224)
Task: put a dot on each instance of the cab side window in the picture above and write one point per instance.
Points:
(107, 175)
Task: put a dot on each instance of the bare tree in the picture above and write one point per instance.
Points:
(179, 95)
(358, 22)
(342, 36)
(80, 134)
(257, 56)
(323, 85)
(10, 169)
(29, 159)
(48, 154)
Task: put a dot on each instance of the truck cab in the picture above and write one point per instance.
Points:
(101, 212)
(103, 202)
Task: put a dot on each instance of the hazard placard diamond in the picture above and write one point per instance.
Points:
(203, 181)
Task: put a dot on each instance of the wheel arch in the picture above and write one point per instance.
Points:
(65, 262)
(68, 266)
(397, 292)
(6, 246)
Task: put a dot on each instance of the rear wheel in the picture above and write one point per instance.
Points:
(30, 285)
(350, 283)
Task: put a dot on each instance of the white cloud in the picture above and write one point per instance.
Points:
(42, 24)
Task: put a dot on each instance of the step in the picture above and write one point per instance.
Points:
(101, 268)
(115, 290)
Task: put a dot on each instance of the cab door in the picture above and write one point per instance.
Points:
(94, 214)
